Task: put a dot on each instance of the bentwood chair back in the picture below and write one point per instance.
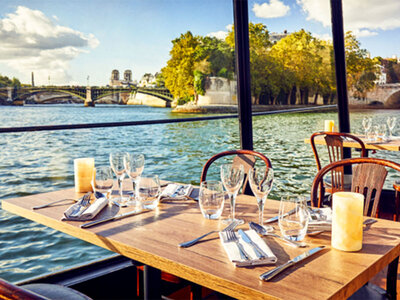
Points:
(369, 175)
(338, 181)
(245, 157)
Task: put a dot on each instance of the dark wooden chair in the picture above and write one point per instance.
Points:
(369, 175)
(338, 181)
(245, 157)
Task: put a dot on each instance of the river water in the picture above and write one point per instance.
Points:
(43, 161)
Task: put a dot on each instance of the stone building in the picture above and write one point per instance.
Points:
(116, 82)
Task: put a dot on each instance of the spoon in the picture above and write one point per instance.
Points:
(262, 231)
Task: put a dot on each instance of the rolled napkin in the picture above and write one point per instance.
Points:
(234, 255)
(177, 191)
(320, 219)
(87, 214)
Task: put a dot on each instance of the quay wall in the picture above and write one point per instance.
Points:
(144, 99)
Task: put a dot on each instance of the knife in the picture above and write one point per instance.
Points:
(117, 217)
(274, 219)
(257, 250)
(272, 273)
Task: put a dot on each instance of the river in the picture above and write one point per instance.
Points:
(43, 161)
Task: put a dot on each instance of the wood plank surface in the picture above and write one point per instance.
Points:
(153, 237)
(391, 145)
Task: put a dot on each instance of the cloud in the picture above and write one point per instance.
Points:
(218, 34)
(364, 18)
(31, 41)
(273, 9)
(221, 34)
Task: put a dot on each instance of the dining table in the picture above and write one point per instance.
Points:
(391, 144)
(152, 238)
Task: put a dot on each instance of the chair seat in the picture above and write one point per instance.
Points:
(347, 178)
(55, 291)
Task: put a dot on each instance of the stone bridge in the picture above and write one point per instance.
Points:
(388, 94)
(17, 96)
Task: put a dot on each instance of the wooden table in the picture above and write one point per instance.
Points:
(391, 145)
(153, 237)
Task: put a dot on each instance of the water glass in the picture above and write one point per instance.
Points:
(380, 133)
(102, 181)
(232, 178)
(211, 199)
(293, 218)
(261, 179)
(148, 191)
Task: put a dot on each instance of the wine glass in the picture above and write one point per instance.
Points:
(261, 179)
(232, 178)
(366, 122)
(391, 122)
(102, 181)
(134, 165)
(117, 165)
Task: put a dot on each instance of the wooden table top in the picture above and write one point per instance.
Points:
(153, 237)
(391, 145)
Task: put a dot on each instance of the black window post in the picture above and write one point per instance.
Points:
(241, 25)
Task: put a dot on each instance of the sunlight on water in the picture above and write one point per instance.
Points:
(43, 161)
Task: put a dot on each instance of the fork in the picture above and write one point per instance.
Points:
(57, 201)
(84, 203)
(231, 237)
(231, 226)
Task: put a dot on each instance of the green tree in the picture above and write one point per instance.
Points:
(7, 82)
(301, 54)
(360, 68)
(178, 73)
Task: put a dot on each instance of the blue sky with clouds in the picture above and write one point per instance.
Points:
(70, 40)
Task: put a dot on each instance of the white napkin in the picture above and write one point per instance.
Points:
(88, 213)
(323, 221)
(177, 191)
(234, 255)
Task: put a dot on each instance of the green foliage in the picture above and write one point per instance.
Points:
(7, 82)
(199, 82)
(184, 100)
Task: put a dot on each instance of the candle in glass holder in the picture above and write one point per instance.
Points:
(347, 221)
(83, 170)
(329, 125)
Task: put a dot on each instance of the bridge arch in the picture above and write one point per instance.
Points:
(393, 101)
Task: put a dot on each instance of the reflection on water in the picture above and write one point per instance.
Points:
(43, 161)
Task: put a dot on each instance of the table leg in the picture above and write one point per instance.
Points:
(152, 283)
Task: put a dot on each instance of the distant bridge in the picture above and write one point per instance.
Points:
(388, 94)
(17, 96)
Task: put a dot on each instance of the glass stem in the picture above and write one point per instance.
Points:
(260, 203)
(134, 189)
(120, 178)
(232, 198)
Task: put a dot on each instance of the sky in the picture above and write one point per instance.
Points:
(77, 42)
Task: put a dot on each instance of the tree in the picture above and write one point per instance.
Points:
(360, 68)
(301, 54)
(7, 82)
(178, 73)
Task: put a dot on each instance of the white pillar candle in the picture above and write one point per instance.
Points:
(83, 171)
(329, 125)
(347, 221)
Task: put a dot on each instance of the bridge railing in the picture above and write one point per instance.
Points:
(153, 122)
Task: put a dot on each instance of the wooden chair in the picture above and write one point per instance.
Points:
(369, 176)
(245, 157)
(338, 181)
